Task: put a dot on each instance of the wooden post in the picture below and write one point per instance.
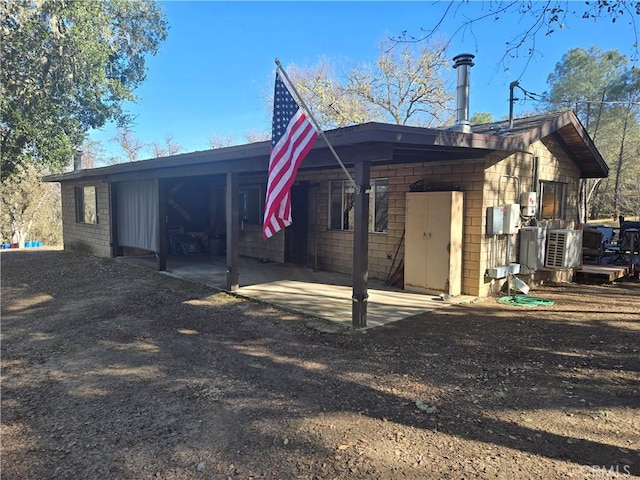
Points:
(233, 231)
(162, 224)
(361, 246)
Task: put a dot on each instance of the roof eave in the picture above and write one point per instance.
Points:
(375, 133)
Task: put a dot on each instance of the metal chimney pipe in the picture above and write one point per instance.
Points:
(512, 85)
(462, 63)
(77, 160)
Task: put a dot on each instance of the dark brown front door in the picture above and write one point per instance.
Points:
(296, 234)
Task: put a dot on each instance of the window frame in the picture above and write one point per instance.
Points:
(244, 198)
(559, 199)
(86, 212)
(373, 201)
(344, 195)
(347, 195)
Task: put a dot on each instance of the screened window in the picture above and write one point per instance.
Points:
(86, 205)
(552, 200)
(251, 206)
(341, 205)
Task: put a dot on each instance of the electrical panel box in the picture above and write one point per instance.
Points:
(511, 222)
(502, 271)
(528, 202)
(532, 247)
(503, 219)
(495, 220)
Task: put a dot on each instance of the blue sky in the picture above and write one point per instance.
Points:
(214, 73)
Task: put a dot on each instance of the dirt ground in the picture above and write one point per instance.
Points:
(111, 371)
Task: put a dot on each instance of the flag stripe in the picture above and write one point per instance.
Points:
(300, 132)
(281, 181)
(284, 171)
(290, 148)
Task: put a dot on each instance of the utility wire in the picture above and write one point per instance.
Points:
(541, 98)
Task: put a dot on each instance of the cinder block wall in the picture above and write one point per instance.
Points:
(253, 245)
(91, 238)
(485, 182)
(481, 180)
(500, 168)
(468, 177)
(335, 248)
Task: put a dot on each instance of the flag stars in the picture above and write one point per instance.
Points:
(284, 107)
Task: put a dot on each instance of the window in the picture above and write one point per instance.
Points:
(341, 201)
(378, 205)
(552, 199)
(251, 206)
(86, 205)
(341, 205)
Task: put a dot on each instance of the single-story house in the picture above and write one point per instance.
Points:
(439, 199)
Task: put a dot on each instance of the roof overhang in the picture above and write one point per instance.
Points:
(375, 142)
(562, 126)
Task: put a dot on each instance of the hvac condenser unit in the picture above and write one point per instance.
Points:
(532, 243)
(564, 249)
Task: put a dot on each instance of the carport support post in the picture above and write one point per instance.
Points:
(233, 231)
(361, 246)
(162, 224)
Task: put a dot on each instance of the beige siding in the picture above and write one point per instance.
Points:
(92, 238)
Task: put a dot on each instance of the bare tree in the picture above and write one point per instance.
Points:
(169, 147)
(253, 136)
(93, 155)
(325, 94)
(219, 141)
(405, 85)
(129, 143)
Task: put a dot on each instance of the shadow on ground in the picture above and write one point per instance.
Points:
(112, 371)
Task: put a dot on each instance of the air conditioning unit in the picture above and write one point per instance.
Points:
(532, 251)
(564, 249)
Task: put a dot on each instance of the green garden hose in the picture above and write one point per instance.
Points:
(525, 301)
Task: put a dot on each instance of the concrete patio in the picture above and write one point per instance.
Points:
(325, 295)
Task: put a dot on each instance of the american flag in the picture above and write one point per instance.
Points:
(292, 138)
